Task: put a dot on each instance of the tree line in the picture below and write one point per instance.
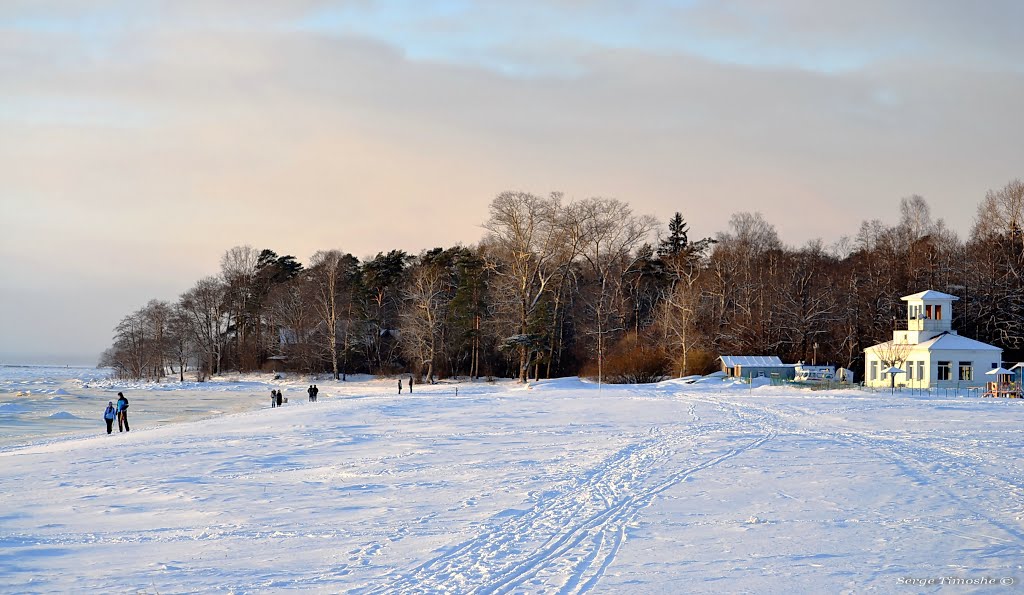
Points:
(585, 287)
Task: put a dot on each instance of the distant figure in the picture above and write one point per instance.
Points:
(410, 384)
(273, 398)
(122, 413)
(399, 386)
(316, 391)
(309, 391)
(280, 397)
(108, 416)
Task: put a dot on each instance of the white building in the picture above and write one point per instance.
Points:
(930, 353)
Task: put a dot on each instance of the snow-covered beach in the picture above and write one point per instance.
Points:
(562, 487)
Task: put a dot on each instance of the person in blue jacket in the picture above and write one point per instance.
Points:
(108, 416)
(122, 413)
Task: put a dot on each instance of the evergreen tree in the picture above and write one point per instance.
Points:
(677, 239)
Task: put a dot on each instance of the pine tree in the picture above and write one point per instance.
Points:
(677, 240)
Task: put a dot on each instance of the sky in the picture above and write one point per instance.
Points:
(141, 139)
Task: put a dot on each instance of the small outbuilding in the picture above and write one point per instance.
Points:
(757, 366)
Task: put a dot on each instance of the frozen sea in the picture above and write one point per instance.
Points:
(38, 402)
(561, 487)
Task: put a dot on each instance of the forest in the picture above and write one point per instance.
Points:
(585, 287)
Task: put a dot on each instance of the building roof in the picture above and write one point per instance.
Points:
(764, 361)
(947, 342)
(930, 295)
(956, 342)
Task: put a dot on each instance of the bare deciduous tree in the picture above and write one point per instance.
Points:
(204, 308)
(527, 252)
(328, 271)
(609, 237)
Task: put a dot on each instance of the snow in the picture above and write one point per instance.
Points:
(565, 486)
(929, 294)
(731, 361)
(955, 342)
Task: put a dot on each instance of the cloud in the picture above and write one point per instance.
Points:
(138, 146)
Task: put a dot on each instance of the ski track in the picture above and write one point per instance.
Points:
(566, 543)
(564, 540)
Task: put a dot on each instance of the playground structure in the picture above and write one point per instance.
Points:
(1009, 390)
(1004, 386)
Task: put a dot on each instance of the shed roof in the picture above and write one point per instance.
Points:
(930, 294)
(766, 361)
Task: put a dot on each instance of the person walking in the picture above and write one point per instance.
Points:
(316, 392)
(122, 413)
(399, 386)
(108, 416)
(273, 398)
(309, 391)
(410, 384)
(280, 397)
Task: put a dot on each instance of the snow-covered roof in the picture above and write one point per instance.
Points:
(956, 342)
(946, 341)
(930, 294)
(732, 361)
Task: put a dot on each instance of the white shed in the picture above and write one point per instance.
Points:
(929, 351)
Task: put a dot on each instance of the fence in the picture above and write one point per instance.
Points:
(945, 392)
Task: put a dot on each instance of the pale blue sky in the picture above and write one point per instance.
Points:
(139, 140)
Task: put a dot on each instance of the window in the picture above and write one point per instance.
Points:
(966, 371)
(910, 370)
(938, 312)
(920, 370)
(928, 311)
(874, 370)
(944, 371)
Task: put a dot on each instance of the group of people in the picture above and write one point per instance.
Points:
(400, 385)
(276, 399)
(118, 412)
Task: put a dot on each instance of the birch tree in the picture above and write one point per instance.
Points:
(330, 271)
